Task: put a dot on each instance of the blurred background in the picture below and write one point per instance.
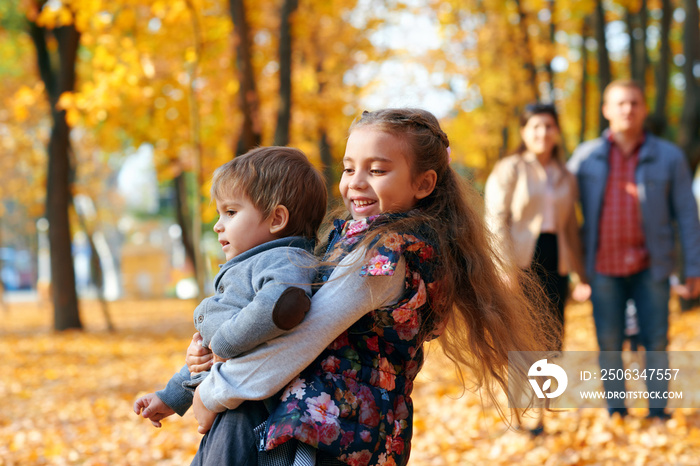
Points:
(115, 114)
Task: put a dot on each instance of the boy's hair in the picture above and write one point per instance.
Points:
(624, 83)
(491, 306)
(272, 176)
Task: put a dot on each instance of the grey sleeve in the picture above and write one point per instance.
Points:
(175, 395)
(267, 369)
(274, 277)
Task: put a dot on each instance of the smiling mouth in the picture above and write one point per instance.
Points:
(363, 203)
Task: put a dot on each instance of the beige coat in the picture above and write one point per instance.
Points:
(514, 196)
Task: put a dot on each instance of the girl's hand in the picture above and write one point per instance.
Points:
(204, 417)
(198, 358)
(581, 292)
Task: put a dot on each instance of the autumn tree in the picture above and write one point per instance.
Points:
(57, 71)
(637, 24)
(604, 75)
(662, 68)
(248, 99)
(689, 134)
(284, 111)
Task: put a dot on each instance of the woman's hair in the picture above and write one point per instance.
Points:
(491, 306)
(539, 108)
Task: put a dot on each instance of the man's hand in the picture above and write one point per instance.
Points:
(152, 408)
(581, 292)
(198, 358)
(204, 417)
(689, 290)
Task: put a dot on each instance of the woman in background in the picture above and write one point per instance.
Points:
(530, 201)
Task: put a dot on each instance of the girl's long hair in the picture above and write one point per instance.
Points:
(490, 306)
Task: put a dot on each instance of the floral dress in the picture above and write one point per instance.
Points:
(354, 401)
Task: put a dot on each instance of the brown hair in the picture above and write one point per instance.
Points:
(272, 176)
(625, 83)
(491, 306)
(539, 108)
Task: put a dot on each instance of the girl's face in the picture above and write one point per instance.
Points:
(377, 176)
(540, 134)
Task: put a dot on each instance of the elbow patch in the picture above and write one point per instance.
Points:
(290, 308)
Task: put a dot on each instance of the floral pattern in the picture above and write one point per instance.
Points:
(354, 401)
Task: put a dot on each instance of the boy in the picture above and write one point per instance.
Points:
(270, 202)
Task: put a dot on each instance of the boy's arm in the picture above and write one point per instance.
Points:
(282, 299)
(339, 303)
(175, 395)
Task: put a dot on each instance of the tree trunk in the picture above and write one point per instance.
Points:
(284, 112)
(96, 273)
(528, 60)
(327, 161)
(183, 216)
(663, 69)
(638, 50)
(195, 125)
(642, 45)
(604, 76)
(63, 293)
(552, 41)
(585, 31)
(250, 135)
(689, 133)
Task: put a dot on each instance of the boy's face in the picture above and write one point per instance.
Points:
(240, 226)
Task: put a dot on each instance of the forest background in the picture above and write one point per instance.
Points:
(97, 96)
(89, 86)
(86, 83)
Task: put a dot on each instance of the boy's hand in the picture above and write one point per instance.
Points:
(152, 408)
(204, 417)
(198, 358)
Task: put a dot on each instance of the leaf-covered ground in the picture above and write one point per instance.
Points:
(65, 398)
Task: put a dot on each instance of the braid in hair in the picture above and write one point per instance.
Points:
(422, 131)
(487, 316)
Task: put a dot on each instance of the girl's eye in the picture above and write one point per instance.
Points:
(231, 213)
(348, 170)
(377, 171)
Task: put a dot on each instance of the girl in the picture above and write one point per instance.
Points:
(530, 197)
(417, 263)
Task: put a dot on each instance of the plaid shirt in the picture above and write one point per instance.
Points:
(621, 243)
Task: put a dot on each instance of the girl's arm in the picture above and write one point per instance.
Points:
(339, 303)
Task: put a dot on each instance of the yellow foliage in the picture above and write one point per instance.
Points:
(68, 398)
(51, 17)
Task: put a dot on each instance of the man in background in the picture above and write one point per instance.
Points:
(635, 189)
